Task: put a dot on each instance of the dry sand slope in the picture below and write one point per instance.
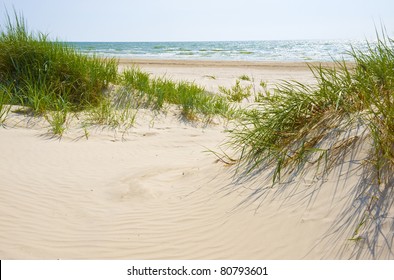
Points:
(156, 193)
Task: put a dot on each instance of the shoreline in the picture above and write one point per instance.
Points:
(223, 63)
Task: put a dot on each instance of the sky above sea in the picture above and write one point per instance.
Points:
(204, 20)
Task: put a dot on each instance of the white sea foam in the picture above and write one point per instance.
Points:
(297, 50)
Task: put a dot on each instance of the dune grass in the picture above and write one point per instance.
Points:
(301, 129)
(236, 93)
(119, 109)
(192, 99)
(290, 127)
(244, 78)
(38, 72)
(4, 104)
(53, 80)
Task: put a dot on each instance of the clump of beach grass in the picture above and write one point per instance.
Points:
(37, 72)
(236, 93)
(287, 127)
(260, 94)
(244, 78)
(49, 78)
(118, 109)
(300, 126)
(193, 100)
(57, 118)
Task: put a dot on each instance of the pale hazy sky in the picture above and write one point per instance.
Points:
(201, 20)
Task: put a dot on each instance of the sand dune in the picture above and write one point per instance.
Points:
(155, 192)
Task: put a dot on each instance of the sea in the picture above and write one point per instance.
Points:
(283, 50)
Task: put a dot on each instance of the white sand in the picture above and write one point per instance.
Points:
(156, 193)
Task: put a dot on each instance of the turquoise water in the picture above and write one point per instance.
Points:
(243, 50)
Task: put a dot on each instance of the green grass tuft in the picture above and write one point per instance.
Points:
(193, 100)
(37, 72)
(289, 127)
(58, 118)
(244, 78)
(237, 93)
(4, 103)
(298, 129)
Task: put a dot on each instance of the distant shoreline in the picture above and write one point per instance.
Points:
(222, 63)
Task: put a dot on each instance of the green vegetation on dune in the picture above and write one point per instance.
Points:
(244, 78)
(301, 129)
(191, 98)
(287, 128)
(53, 79)
(237, 93)
(4, 101)
(38, 72)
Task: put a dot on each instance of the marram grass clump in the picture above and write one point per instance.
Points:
(345, 120)
(290, 126)
(237, 93)
(52, 79)
(193, 100)
(37, 72)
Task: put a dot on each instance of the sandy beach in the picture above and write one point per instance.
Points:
(156, 191)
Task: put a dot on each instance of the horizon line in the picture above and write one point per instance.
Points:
(206, 41)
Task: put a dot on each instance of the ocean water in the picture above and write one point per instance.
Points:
(297, 50)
